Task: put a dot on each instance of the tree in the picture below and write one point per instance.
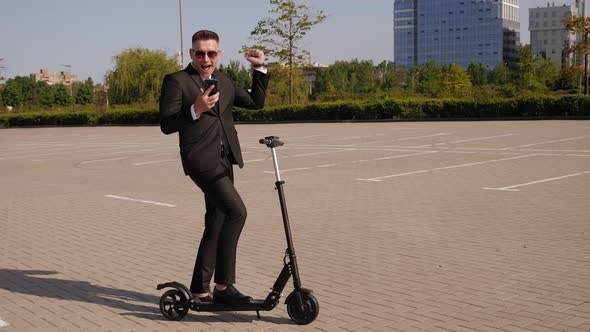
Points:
(27, 88)
(280, 36)
(137, 76)
(61, 95)
(526, 68)
(331, 92)
(500, 75)
(581, 26)
(568, 78)
(85, 94)
(546, 73)
(238, 73)
(478, 74)
(391, 75)
(279, 91)
(46, 95)
(456, 81)
(12, 94)
(426, 78)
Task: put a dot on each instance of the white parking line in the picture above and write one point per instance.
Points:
(480, 138)
(547, 150)
(417, 137)
(511, 188)
(140, 200)
(101, 160)
(462, 141)
(405, 155)
(255, 160)
(380, 178)
(82, 150)
(316, 153)
(356, 161)
(399, 148)
(154, 162)
(546, 142)
(484, 152)
(302, 168)
(3, 323)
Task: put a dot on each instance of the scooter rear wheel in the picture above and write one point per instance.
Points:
(174, 305)
(311, 309)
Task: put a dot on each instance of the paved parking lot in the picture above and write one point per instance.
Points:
(417, 226)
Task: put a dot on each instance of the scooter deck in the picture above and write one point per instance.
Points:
(254, 305)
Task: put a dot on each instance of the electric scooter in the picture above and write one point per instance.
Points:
(302, 306)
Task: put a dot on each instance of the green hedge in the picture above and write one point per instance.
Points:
(397, 109)
(388, 109)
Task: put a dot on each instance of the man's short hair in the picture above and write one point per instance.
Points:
(205, 35)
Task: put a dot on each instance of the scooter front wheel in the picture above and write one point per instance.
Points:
(174, 305)
(305, 315)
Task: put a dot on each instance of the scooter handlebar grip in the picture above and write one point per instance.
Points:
(271, 141)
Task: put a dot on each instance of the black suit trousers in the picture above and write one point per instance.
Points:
(224, 220)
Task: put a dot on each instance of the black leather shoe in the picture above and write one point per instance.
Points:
(206, 298)
(230, 295)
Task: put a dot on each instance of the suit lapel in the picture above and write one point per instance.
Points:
(194, 75)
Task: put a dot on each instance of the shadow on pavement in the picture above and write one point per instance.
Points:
(36, 282)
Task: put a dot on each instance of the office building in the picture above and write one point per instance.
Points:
(549, 37)
(456, 32)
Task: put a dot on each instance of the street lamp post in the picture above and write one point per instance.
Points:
(70, 82)
(1, 68)
(181, 45)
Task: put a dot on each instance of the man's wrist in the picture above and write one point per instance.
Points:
(194, 113)
(261, 68)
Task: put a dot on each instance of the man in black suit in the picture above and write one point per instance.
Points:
(209, 147)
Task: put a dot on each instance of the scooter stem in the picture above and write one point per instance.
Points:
(276, 164)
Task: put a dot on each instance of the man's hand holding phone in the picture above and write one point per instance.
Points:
(207, 99)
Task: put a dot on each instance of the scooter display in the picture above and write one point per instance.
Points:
(302, 307)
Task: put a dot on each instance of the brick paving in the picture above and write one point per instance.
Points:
(393, 227)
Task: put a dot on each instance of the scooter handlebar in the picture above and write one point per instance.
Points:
(271, 141)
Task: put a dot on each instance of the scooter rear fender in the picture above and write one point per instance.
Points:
(176, 285)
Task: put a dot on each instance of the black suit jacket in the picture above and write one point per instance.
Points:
(200, 140)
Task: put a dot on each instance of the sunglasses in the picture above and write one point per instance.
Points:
(201, 54)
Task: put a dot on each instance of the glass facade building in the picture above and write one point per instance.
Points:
(456, 32)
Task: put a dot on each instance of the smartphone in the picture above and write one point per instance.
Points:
(209, 83)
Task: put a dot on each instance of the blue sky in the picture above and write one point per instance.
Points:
(85, 34)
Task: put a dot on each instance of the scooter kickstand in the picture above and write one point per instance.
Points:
(258, 314)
